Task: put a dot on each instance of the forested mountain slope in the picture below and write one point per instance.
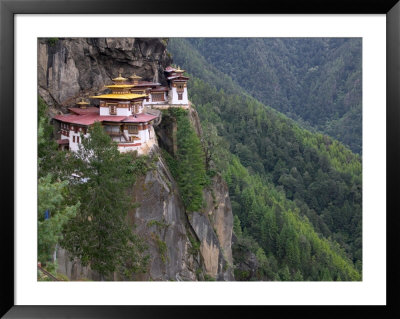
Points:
(316, 81)
(280, 172)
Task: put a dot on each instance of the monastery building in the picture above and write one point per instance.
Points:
(127, 113)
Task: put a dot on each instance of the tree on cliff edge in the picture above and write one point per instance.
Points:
(100, 235)
(191, 168)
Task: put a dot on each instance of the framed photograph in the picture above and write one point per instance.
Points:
(129, 98)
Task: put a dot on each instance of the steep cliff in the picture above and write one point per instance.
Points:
(182, 246)
(213, 228)
(73, 67)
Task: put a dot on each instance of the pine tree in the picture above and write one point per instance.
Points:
(53, 214)
(191, 163)
(100, 235)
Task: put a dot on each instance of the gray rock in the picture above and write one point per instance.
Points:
(73, 67)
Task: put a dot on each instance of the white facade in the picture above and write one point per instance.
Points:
(74, 138)
(120, 111)
(144, 136)
(125, 139)
(104, 111)
(142, 146)
(174, 98)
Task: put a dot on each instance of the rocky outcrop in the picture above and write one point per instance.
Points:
(183, 246)
(161, 218)
(213, 227)
(166, 134)
(73, 67)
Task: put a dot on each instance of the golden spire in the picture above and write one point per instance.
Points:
(82, 103)
(119, 78)
(134, 77)
(178, 70)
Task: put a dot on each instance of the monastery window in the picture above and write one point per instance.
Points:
(113, 109)
(113, 130)
(77, 139)
(156, 97)
(180, 86)
(73, 139)
(180, 96)
(132, 129)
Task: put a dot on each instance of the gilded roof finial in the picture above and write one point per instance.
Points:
(82, 103)
(135, 77)
(119, 78)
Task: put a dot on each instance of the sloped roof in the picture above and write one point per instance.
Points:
(80, 111)
(143, 117)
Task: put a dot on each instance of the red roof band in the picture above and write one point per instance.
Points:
(90, 118)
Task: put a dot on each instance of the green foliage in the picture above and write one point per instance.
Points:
(319, 174)
(100, 235)
(50, 160)
(298, 194)
(237, 228)
(53, 195)
(194, 245)
(274, 222)
(51, 198)
(159, 224)
(188, 167)
(208, 278)
(162, 248)
(315, 81)
(171, 162)
(52, 41)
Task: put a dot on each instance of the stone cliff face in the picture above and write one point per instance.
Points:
(161, 218)
(182, 246)
(74, 67)
(197, 245)
(213, 227)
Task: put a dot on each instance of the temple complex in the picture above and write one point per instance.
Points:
(127, 112)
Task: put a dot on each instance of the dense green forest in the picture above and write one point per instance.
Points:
(315, 81)
(279, 171)
(296, 195)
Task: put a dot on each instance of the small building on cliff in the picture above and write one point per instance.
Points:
(126, 111)
(177, 86)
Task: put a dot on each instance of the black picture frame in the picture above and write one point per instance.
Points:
(9, 8)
